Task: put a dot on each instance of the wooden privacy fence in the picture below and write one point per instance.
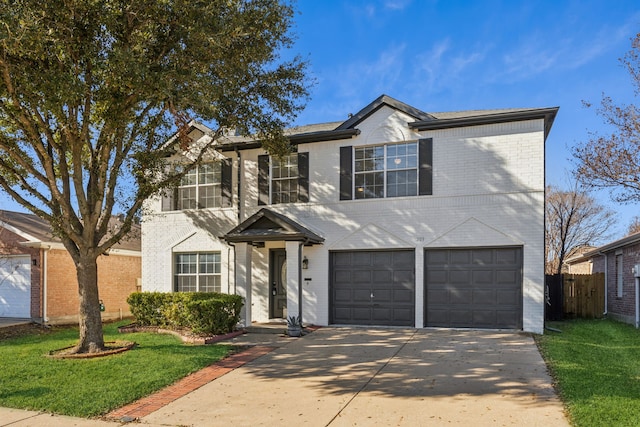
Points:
(583, 295)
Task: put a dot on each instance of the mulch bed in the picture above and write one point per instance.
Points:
(113, 347)
(184, 334)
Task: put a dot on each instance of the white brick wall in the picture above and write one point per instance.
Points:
(488, 190)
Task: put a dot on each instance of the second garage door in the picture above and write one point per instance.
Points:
(373, 288)
(474, 288)
(15, 286)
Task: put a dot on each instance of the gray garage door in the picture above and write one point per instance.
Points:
(372, 288)
(474, 288)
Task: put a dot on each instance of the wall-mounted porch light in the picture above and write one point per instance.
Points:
(305, 263)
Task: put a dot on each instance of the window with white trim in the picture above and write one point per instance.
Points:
(201, 188)
(198, 272)
(619, 276)
(386, 171)
(284, 179)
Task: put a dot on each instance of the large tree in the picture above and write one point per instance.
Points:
(612, 161)
(573, 219)
(91, 90)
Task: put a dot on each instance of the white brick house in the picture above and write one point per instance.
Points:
(393, 217)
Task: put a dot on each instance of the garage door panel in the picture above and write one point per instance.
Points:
(381, 258)
(361, 295)
(361, 276)
(360, 259)
(382, 276)
(460, 257)
(484, 297)
(381, 288)
(403, 259)
(437, 296)
(459, 277)
(15, 286)
(460, 296)
(507, 276)
(342, 295)
(483, 277)
(508, 318)
(508, 256)
(479, 288)
(437, 257)
(403, 296)
(507, 297)
(437, 276)
(403, 277)
(403, 315)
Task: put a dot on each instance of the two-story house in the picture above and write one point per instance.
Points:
(393, 217)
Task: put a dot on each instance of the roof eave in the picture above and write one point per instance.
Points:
(302, 138)
(548, 114)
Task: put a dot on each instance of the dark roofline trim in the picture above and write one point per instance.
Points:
(618, 244)
(301, 138)
(299, 232)
(548, 114)
(379, 103)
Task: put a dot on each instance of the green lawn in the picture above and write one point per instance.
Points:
(596, 365)
(90, 387)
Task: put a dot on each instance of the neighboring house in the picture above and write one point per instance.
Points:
(394, 217)
(576, 263)
(617, 260)
(38, 278)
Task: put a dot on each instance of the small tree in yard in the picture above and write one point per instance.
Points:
(572, 219)
(91, 90)
(613, 161)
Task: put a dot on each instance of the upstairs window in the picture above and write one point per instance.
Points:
(283, 180)
(392, 170)
(386, 171)
(197, 272)
(206, 186)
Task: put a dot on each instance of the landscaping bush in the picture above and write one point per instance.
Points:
(202, 312)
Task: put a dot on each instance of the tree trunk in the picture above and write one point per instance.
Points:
(91, 337)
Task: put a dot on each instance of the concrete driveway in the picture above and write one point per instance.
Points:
(390, 377)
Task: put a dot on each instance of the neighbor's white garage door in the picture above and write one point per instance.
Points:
(15, 286)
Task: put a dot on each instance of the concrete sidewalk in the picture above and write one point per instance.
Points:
(352, 376)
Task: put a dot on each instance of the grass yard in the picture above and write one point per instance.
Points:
(596, 366)
(92, 387)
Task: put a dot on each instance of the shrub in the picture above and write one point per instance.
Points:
(202, 312)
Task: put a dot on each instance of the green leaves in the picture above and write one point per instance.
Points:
(86, 85)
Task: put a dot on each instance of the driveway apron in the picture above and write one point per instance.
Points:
(352, 376)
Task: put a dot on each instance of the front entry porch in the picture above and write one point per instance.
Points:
(285, 262)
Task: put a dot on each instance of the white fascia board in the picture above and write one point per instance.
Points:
(17, 231)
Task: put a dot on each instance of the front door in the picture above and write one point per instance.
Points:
(278, 283)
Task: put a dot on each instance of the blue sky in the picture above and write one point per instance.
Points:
(464, 55)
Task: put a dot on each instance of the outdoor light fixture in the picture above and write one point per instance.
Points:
(305, 263)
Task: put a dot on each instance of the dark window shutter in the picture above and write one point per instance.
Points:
(168, 199)
(303, 177)
(346, 173)
(425, 169)
(263, 179)
(225, 181)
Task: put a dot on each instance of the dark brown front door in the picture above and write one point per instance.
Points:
(278, 283)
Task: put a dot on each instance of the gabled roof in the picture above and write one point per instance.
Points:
(266, 225)
(423, 121)
(617, 244)
(36, 230)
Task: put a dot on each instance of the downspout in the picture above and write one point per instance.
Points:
(637, 302)
(45, 266)
(300, 278)
(606, 284)
(239, 184)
